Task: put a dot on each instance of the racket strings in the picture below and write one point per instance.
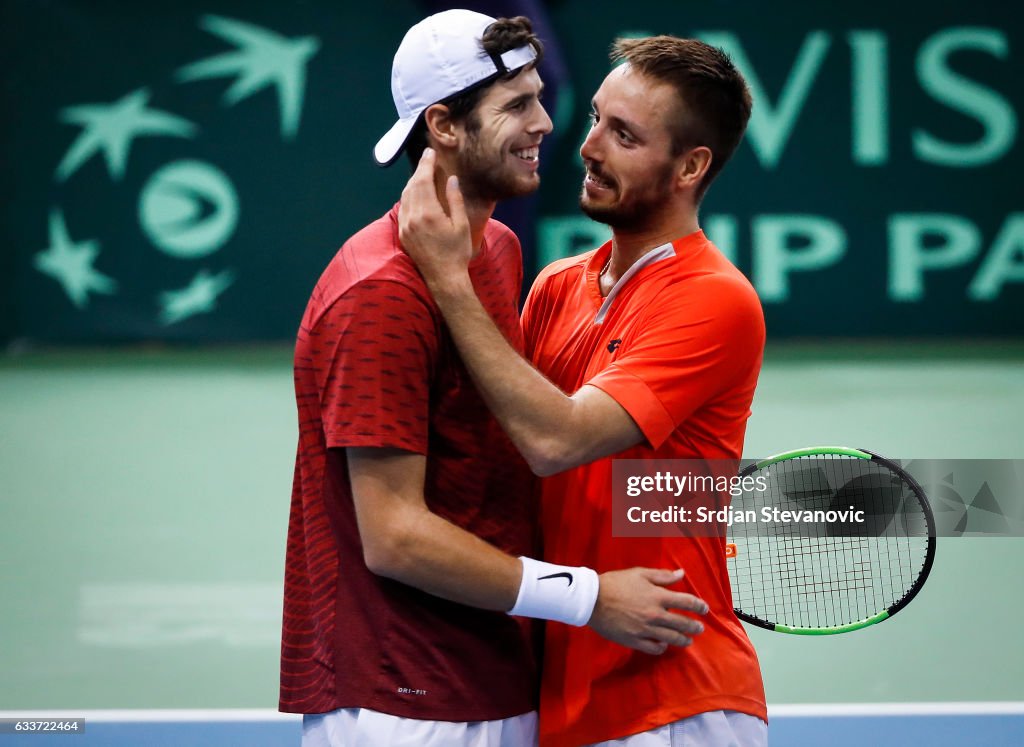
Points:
(818, 575)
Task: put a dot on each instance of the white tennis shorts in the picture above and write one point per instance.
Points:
(711, 729)
(361, 727)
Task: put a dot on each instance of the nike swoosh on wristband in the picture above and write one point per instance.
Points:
(566, 576)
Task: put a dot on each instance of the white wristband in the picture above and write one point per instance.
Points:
(556, 592)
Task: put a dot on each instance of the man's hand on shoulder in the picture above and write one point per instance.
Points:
(635, 609)
(438, 241)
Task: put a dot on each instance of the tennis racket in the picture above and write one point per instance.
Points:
(859, 551)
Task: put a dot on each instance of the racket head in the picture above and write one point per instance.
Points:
(821, 578)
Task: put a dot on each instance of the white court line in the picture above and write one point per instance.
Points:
(159, 714)
(799, 710)
(962, 708)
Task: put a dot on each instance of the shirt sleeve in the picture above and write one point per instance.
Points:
(377, 354)
(528, 319)
(695, 345)
(537, 312)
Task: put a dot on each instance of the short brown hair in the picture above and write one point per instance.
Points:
(504, 35)
(714, 101)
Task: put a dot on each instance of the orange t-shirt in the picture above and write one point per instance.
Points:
(678, 343)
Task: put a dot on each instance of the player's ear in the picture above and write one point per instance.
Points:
(440, 126)
(692, 166)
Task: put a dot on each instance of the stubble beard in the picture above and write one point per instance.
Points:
(636, 213)
(486, 177)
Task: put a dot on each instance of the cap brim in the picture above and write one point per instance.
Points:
(389, 148)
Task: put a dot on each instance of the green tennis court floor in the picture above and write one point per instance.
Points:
(145, 498)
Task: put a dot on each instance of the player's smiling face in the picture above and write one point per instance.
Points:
(501, 151)
(628, 152)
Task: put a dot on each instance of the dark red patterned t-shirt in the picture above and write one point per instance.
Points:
(375, 367)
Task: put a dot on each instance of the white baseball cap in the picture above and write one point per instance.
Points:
(440, 57)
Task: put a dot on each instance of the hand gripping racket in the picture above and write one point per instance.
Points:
(859, 550)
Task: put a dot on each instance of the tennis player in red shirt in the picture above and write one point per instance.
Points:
(647, 347)
(413, 523)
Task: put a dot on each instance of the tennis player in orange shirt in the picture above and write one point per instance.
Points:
(647, 347)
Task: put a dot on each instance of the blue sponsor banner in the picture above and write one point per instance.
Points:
(183, 171)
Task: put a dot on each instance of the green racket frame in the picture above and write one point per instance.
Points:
(903, 601)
